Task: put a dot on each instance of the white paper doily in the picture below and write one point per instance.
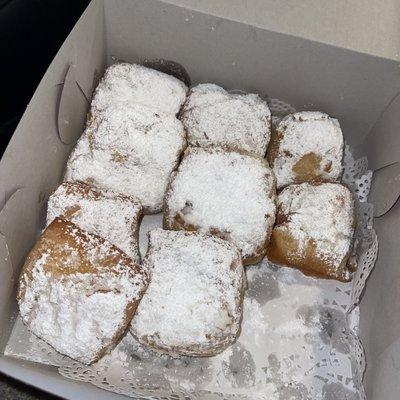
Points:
(299, 338)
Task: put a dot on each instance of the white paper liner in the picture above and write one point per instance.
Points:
(299, 336)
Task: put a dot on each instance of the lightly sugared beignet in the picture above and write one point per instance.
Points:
(306, 147)
(213, 116)
(77, 292)
(130, 150)
(314, 229)
(113, 217)
(226, 193)
(193, 305)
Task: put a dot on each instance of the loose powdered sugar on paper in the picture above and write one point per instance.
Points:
(298, 341)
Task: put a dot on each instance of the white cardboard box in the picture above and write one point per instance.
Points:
(297, 65)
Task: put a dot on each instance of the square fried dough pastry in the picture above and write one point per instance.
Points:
(306, 147)
(133, 83)
(129, 150)
(213, 116)
(115, 218)
(226, 193)
(78, 292)
(314, 229)
(193, 305)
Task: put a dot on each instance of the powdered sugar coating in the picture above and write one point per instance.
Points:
(131, 150)
(115, 218)
(322, 214)
(193, 305)
(212, 116)
(125, 83)
(78, 292)
(304, 133)
(224, 192)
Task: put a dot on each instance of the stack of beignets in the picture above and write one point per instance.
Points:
(82, 285)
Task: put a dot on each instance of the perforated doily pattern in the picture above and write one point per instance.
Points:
(298, 341)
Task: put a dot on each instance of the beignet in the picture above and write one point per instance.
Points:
(213, 116)
(134, 83)
(115, 218)
(193, 305)
(314, 229)
(130, 150)
(225, 193)
(78, 292)
(306, 147)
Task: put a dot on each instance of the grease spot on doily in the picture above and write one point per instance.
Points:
(240, 369)
(263, 290)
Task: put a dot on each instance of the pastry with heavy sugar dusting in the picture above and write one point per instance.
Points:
(226, 193)
(306, 147)
(193, 305)
(314, 229)
(115, 218)
(78, 292)
(130, 150)
(125, 83)
(213, 116)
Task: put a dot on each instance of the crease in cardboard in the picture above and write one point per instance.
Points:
(7, 195)
(83, 92)
(72, 108)
(382, 143)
